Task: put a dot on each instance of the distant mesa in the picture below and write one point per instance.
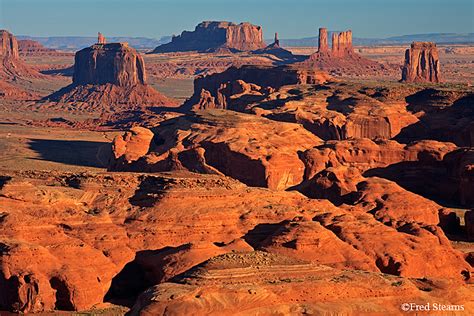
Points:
(212, 36)
(107, 76)
(421, 63)
(35, 48)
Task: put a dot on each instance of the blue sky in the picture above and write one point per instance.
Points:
(291, 18)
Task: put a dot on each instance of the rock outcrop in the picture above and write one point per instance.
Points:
(264, 283)
(212, 36)
(215, 91)
(109, 77)
(421, 63)
(122, 232)
(224, 142)
(334, 170)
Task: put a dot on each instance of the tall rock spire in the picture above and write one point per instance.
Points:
(323, 40)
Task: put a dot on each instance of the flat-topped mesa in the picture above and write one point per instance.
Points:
(421, 63)
(342, 44)
(114, 63)
(212, 36)
(323, 40)
(101, 38)
(8, 45)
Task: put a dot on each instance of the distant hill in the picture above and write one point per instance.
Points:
(440, 38)
(73, 43)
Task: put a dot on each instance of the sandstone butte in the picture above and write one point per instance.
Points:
(341, 58)
(421, 63)
(109, 76)
(210, 36)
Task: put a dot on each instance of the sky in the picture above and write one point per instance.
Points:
(290, 18)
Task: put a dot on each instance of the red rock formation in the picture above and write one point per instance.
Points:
(197, 143)
(132, 145)
(260, 283)
(309, 241)
(341, 60)
(211, 36)
(8, 45)
(114, 63)
(101, 38)
(265, 77)
(421, 63)
(11, 67)
(107, 75)
(51, 259)
(323, 40)
(342, 44)
(399, 251)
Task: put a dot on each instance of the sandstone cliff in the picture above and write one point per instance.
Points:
(210, 36)
(421, 63)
